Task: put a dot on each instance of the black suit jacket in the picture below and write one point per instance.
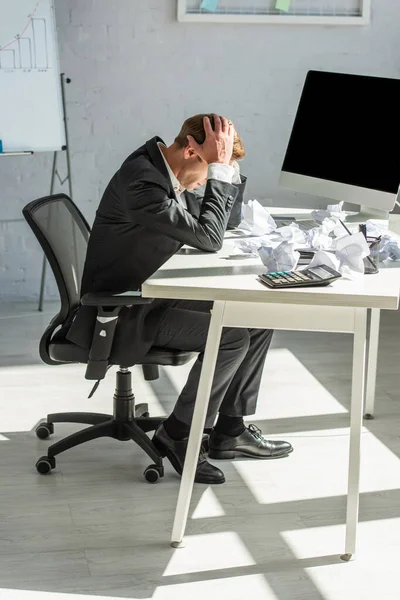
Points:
(139, 225)
(194, 200)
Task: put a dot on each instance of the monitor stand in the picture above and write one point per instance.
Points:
(365, 213)
(394, 222)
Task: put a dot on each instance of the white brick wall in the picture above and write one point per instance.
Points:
(136, 72)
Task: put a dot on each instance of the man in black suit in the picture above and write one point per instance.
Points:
(145, 216)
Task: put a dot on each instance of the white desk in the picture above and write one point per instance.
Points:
(241, 301)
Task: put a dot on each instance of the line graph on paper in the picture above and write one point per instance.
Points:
(24, 40)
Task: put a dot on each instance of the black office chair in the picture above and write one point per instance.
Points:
(63, 233)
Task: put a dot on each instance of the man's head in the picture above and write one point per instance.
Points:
(188, 167)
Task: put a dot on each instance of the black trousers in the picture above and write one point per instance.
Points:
(239, 366)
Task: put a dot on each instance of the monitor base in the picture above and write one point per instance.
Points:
(365, 213)
(394, 223)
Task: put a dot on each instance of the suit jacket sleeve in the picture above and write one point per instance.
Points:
(236, 213)
(194, 201)
(149, 204)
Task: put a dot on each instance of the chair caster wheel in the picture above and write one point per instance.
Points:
(45, 464)
(44, 430)
(153, 473)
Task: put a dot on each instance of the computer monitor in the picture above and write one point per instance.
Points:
(345, 141)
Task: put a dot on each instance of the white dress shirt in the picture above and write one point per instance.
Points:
(226, 173)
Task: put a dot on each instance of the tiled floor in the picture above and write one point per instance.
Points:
(274, 531)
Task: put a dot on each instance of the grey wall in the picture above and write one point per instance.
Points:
(137, 72)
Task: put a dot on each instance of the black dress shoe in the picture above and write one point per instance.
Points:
(175, 451)
(250, 444)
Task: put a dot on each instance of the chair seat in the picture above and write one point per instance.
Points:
(63, 351)
(167, 357)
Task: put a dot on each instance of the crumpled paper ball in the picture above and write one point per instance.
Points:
(283, 257)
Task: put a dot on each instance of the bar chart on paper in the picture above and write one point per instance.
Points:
(298, 7)
(27, 49)
(276, 11)
(29, 77)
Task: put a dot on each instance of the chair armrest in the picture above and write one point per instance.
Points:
(108, 308)
(126, 299)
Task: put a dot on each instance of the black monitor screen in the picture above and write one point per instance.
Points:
(347, 130)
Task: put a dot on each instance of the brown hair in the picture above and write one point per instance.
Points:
(194, 127)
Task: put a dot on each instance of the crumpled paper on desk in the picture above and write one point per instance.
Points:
(334, 211)
(292, 233)
(351, 251)
(256, 219)
(322, 257)
(251, 245)
(376, 229)
(277, 246)
(347, 256)
(389, 247)
(283, 257)
(276, 253)
(322, 237)
(318, 239)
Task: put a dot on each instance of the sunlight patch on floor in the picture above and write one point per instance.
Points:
(232, 588)
(208, 506)
(197, 556)
(289, 389)
(374, 569)
(318, 468)
(41, 389)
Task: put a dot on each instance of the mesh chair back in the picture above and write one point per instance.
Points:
(63, 234)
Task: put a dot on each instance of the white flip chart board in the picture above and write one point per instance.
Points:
(31, 113)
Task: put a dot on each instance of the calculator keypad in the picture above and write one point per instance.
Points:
(284, 277)
(287, 279)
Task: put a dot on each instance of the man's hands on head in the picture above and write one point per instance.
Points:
(218, 145)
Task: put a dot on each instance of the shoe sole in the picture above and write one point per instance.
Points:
(231, 454)
(165, 454)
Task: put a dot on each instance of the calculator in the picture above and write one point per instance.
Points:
(313, 276)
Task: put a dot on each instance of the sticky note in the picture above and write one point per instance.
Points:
(210, 5)
(283, 5)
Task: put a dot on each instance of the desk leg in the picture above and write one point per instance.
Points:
(372, 363)
(197, 427)
(356, 413)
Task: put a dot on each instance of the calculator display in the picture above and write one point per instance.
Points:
(320, 272)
